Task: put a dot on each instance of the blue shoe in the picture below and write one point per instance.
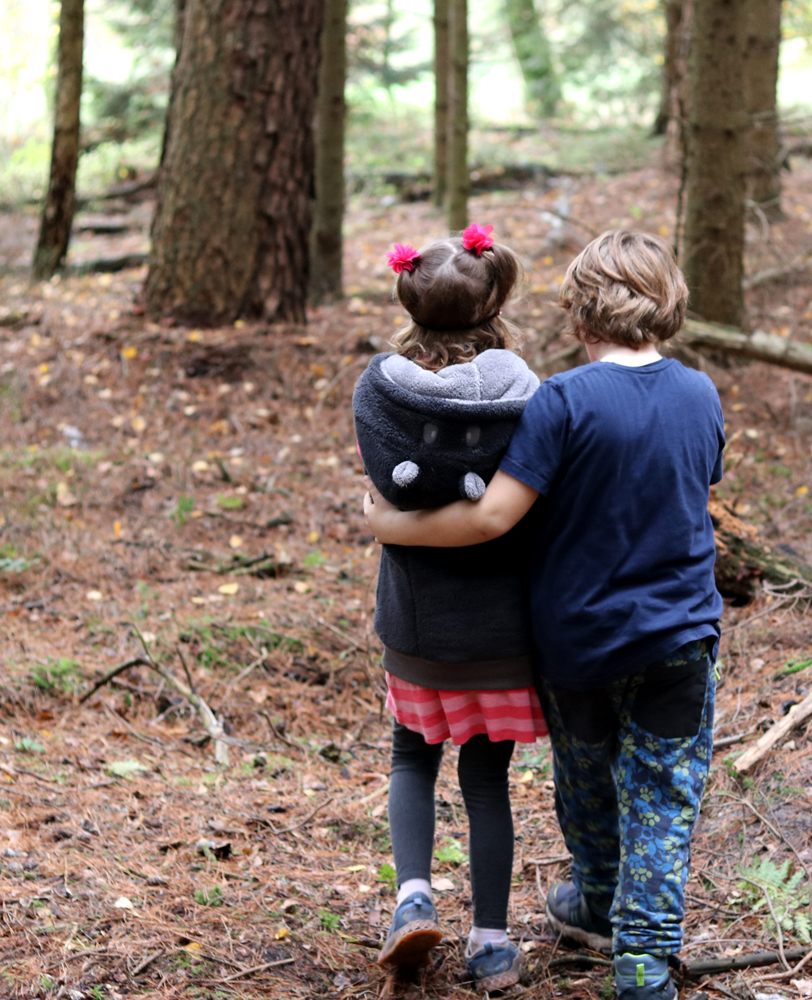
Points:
(643, 977)
(496, 967)
(414, 932)
(571, 917)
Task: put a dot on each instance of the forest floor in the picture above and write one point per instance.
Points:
(199, 492)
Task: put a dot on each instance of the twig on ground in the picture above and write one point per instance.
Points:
(796, 715)
(306, 820)
(555, 860)
(778, 932)
(146, 962)
(258, 968)
(280, 737)
(758, 958)
(793, 971)
(729, 741)
(137, 661)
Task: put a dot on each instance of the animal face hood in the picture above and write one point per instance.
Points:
(428, 438)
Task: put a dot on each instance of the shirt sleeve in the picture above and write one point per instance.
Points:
(536, 450)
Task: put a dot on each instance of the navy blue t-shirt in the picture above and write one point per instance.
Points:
(622, 564)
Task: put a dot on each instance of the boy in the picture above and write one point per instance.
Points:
(625, 609)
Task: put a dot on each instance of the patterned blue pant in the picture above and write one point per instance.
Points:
(630, 765)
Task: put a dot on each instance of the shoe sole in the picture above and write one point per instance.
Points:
(409, 947)
(596, 942)
(502, 981)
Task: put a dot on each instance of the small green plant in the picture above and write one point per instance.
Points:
(450, 853)
(97, 992)
(388, 875)
(329, 921)
(60, 676)
(535, 760)
(793, 667)
(29, 745)
(314, 559)
(790, 898)
(17, 564)
(209, 897)
(46, 982)
(184, 506)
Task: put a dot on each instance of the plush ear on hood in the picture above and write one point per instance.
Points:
(472, 486)
(405, 474)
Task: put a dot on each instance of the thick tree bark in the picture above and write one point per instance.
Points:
(717, 163)
(672, 10)
(534, 57)
(458, 176)
(328, 211)
(232, 224)
(762, 42)
(57, 215)
(441, 82)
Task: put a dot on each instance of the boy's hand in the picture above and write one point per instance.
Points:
(375, 506)
(465, 522)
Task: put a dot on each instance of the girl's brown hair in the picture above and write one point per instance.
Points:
(454, 297)
(624, 288)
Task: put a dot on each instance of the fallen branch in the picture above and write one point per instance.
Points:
(757, 346)
(757, 958)
(798, 266)
(796, 715)
(211, 723)
(306, 820)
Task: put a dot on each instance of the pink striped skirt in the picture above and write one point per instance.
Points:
(514, 714)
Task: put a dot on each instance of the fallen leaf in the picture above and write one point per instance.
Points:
(301, 587)
(282, 933)
(138, 424)
(64, 497)
(229, 589)
(122, 903)
(526, 778)
(125, 768)
(803, 986)
(94, 595)
(193, 947)
(442, 884)
(235, 542)
(129, 353)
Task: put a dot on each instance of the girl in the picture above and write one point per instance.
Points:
(433, 420)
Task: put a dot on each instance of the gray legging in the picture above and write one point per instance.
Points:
(483, 775)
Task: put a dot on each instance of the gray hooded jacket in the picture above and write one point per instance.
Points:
(452, 619)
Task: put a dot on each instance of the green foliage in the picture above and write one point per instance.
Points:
(329, 921)
(793, 667)
(60, 676)
(377, 46)
(209, 897)
(184, 506)
(29, 745)
(224, 647)
(17, 564)
(314, 559)
(450, 853)
(388, 875)
(535, 759)
(789, 897)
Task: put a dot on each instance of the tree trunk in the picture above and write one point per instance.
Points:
(762, 42)
(441, 81)
(328, 212)
(717, 164)
(57, 215)
(458, 177)
(672, 10)
(232, 224)
(534, 57)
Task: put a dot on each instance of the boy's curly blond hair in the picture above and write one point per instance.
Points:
(624, 288)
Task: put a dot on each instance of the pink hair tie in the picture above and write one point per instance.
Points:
(402, 258)
(477, 238)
